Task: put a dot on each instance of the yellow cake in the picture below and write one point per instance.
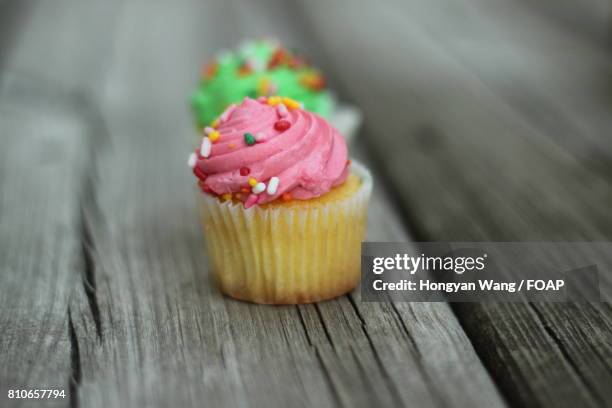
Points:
(282, 207)
(289, 252)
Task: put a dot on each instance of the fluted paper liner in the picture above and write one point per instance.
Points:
(287, 255)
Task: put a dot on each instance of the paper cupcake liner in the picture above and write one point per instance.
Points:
(287, 255)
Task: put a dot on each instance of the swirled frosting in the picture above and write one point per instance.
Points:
(258, 68)
(270, 148)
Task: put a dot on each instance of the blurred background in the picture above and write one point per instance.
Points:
(483, 120)
(494, 111)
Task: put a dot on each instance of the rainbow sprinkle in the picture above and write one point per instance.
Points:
(258, 188)
(249, 139)
(291, 103)
(274, 100)
(206, 147)
(282, 110)
(214, 136)
(248, 194)
(192, 161)
(225, 116)
(273, 185)
(259, 137)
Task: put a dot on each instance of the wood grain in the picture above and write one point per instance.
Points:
(474, 168)
(105, 284)
(166, 336)
(40, 253)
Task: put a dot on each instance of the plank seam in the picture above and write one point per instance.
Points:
(317, 352)
(510, 110)
(88, 277)
(308, 339)
(75, 364)
(419, 357)
(557, 341)
(325, 329)
(395, 395)
(88, 202)
(328, 378)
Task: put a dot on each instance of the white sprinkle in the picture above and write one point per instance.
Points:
(282, 110)
(193, 159)
(246, 48)
(257, 65)
(259, 137)
(273, 185)
(206, 146)
(228, 112)
(208, 130)
(258, 188)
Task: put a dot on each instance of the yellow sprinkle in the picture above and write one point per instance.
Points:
(227, 196)
(263, 86)
(252, 181)
(274, 100)
(291, 103)
(215, 123)
(214, 136)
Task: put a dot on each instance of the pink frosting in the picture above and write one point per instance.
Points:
(308, 158)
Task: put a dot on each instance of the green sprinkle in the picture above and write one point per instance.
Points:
(249, 139)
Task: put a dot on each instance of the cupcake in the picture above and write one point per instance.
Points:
(264, 68)
(283, 208)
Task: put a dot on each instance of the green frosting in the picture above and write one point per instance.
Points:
(260, 68)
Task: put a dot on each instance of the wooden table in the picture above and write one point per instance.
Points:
(477, 127)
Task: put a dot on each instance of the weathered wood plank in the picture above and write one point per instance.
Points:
(590, 18)
(45, 124)
(565, 93)
(472, 168)
(409, 337)
(166, 336)
(41, 161)
(65, 42)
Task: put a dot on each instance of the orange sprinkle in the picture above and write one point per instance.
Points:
(286, 196)
(231, 145)
(245, 190)
(313, 81)
(215, 123)
(244, 69)
(278, 58)
(210, 70)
